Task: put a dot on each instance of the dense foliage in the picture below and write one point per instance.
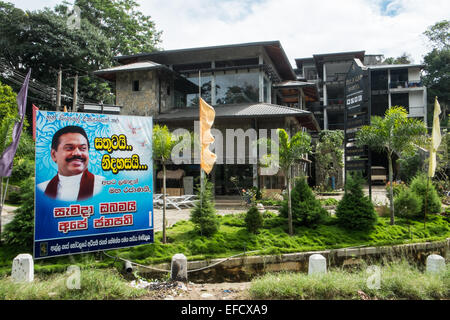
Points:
(328, 155)
(203, 215)
(408, 204)
(45, 39)
(395, 134)
(306, 209)
(20, 231)
(253, 220)
(437, 68)
(429, 197)
(355, 211)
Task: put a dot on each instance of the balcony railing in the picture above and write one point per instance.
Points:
(405, 84)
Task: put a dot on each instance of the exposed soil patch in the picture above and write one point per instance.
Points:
(200, 291)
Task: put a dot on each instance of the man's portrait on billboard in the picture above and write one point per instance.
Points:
(73, 181)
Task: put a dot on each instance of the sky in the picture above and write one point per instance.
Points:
(304, 28)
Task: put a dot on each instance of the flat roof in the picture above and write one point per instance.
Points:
(394, 66)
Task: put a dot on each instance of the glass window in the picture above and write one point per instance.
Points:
(192, 98)
(180, 99)
(237, 87)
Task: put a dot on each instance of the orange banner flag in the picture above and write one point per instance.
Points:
(207, 115)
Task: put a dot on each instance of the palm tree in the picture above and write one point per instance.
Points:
(395, 133)
(163, 144)
(289, 152)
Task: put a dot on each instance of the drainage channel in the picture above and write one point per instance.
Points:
(244, 267)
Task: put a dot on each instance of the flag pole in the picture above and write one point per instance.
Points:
(202, 173)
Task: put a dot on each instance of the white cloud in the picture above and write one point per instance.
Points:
(304, 27)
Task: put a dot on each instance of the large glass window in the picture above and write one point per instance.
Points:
(192, 98)
(237, 86)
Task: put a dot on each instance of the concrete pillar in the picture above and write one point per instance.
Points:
(435, 263)
(178, 268)
(213, 84)
(261, 80)
(23, 268)
(325, 99)
(317, 264)
(389, 88)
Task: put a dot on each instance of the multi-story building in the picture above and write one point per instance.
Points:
(388, 85)
(251, 86)
(398, 84)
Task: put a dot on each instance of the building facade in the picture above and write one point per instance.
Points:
(252, 87)
(390, 85)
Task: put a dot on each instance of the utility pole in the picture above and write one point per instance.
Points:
(75, 93)
(58, 90)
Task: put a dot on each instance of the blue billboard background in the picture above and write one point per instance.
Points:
(121, 213)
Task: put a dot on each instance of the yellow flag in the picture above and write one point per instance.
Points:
(435, 138)
(207, 115)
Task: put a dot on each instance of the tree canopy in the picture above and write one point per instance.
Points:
(395, 133)
(43, 40)
(437, 67)
(405, 58)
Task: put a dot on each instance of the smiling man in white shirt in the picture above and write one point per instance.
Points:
(70, 151)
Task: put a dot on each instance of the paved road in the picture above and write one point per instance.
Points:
(7, 215)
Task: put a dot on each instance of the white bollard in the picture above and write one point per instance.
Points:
(23, 268)
(178, 268)
(435, 263)
(317, 264)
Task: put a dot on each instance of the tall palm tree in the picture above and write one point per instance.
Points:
(163, 144)
(290, 151)
(395, 133)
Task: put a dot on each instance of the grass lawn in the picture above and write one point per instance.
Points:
(94, 285)
(398, 280)
(233, 238)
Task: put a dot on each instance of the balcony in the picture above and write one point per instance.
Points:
(335, 105)
(404, 86)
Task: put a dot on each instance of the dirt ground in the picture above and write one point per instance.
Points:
(197, 291)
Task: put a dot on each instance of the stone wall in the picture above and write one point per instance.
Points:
(144, 102)
(247, 267)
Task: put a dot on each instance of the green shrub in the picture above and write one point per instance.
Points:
(20, 231)
(355, 211)
(306, 209)
(397, 187)
(253, 220)
(203, 215)
(399, 280)
(409, 166)
(95, 285)
(407, 204)
(329, 202)
(423, 189)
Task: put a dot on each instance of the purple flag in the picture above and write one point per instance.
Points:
(6, 160)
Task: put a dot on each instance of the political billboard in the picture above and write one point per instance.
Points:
(94, 182)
